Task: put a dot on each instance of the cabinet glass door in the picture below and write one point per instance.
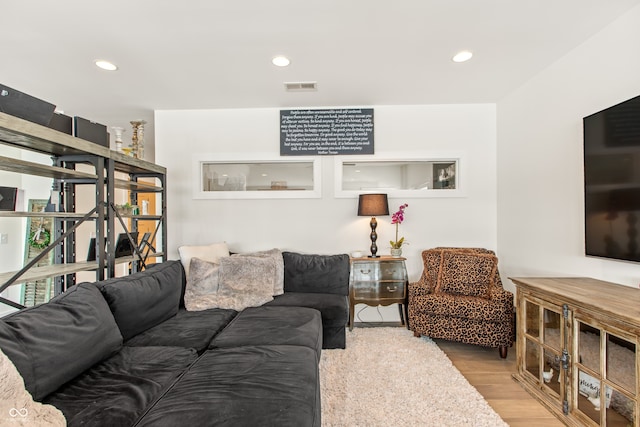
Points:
(544, 344)
(552, 374)
(606, 376)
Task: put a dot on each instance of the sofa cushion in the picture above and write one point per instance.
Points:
(16, 404)
(328, 274)
(52, 343)
(333, 308)
(274, 385)
(143, 300)
(211, 253)
(474, 308)
(117, 391)
(273, 325)
(189, 329)
(468, 274)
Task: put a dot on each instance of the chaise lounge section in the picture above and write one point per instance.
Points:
(126, 352)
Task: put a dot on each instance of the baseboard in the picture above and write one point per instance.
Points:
(377, 324)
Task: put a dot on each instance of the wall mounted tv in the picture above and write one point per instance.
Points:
(612, 182)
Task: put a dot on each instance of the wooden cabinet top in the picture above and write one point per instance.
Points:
(377, 259)
(612, 298)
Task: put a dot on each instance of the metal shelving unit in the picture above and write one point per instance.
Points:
(67, 152)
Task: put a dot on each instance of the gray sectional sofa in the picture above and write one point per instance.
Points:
(125, 352)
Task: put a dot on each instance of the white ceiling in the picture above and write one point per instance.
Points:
(194, 54)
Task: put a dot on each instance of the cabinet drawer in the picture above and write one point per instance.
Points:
(391, 271)
(386, 289)
(382, 270)
(392, 289)
(366, 271)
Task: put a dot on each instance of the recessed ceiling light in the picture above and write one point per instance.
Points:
(462, 56)
(106, 65)
(280, 61)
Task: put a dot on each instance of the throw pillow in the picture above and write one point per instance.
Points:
(17, 407)
(209, 253)
(201, 292)
(276, 255)
(432, 261)
(469, 274)
(245, 282)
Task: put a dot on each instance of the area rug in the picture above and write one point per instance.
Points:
(387, 377)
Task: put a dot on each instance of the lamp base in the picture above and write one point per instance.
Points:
(374, 237)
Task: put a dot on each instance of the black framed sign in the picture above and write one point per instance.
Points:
(326, 132)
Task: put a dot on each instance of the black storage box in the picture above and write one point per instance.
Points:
(91, 131)
(11, 198)
(61, 123)
(25, 106)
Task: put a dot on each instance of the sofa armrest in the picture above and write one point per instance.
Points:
(327, 274)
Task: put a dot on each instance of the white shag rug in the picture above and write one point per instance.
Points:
(388, 377)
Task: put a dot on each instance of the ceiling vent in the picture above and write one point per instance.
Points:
(301, 86)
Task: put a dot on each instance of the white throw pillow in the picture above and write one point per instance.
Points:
(276, 255)
(211, 253)
(17, 408)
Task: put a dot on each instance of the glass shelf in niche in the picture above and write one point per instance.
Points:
(256, 179)
(409, 176)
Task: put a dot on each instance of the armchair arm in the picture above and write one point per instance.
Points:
(501, 296)
(419, 288)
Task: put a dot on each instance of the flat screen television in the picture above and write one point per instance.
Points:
(612, 182)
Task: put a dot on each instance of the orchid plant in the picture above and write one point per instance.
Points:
(397, 219)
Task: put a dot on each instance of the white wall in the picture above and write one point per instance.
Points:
(540, 172)
(330, 225)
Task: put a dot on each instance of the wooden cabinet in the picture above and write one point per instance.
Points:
(576, 348)
(378, 281)
(105, 171)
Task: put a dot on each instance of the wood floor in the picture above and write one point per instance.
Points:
(491, 376)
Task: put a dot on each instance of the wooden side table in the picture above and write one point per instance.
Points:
(378, 281)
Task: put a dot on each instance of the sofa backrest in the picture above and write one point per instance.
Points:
(328, 274)
(143, 300)
(52, 343)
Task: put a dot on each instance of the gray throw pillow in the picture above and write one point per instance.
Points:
(235, 283)
(276, 255)
(202, 287)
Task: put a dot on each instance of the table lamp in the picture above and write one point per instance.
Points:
(373, 205)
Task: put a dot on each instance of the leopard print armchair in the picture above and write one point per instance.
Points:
(460, 297)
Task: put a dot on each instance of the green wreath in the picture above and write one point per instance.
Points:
(43, 241)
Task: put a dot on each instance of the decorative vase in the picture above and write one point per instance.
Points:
(118, 131)
(396, 252)
(137, 139)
